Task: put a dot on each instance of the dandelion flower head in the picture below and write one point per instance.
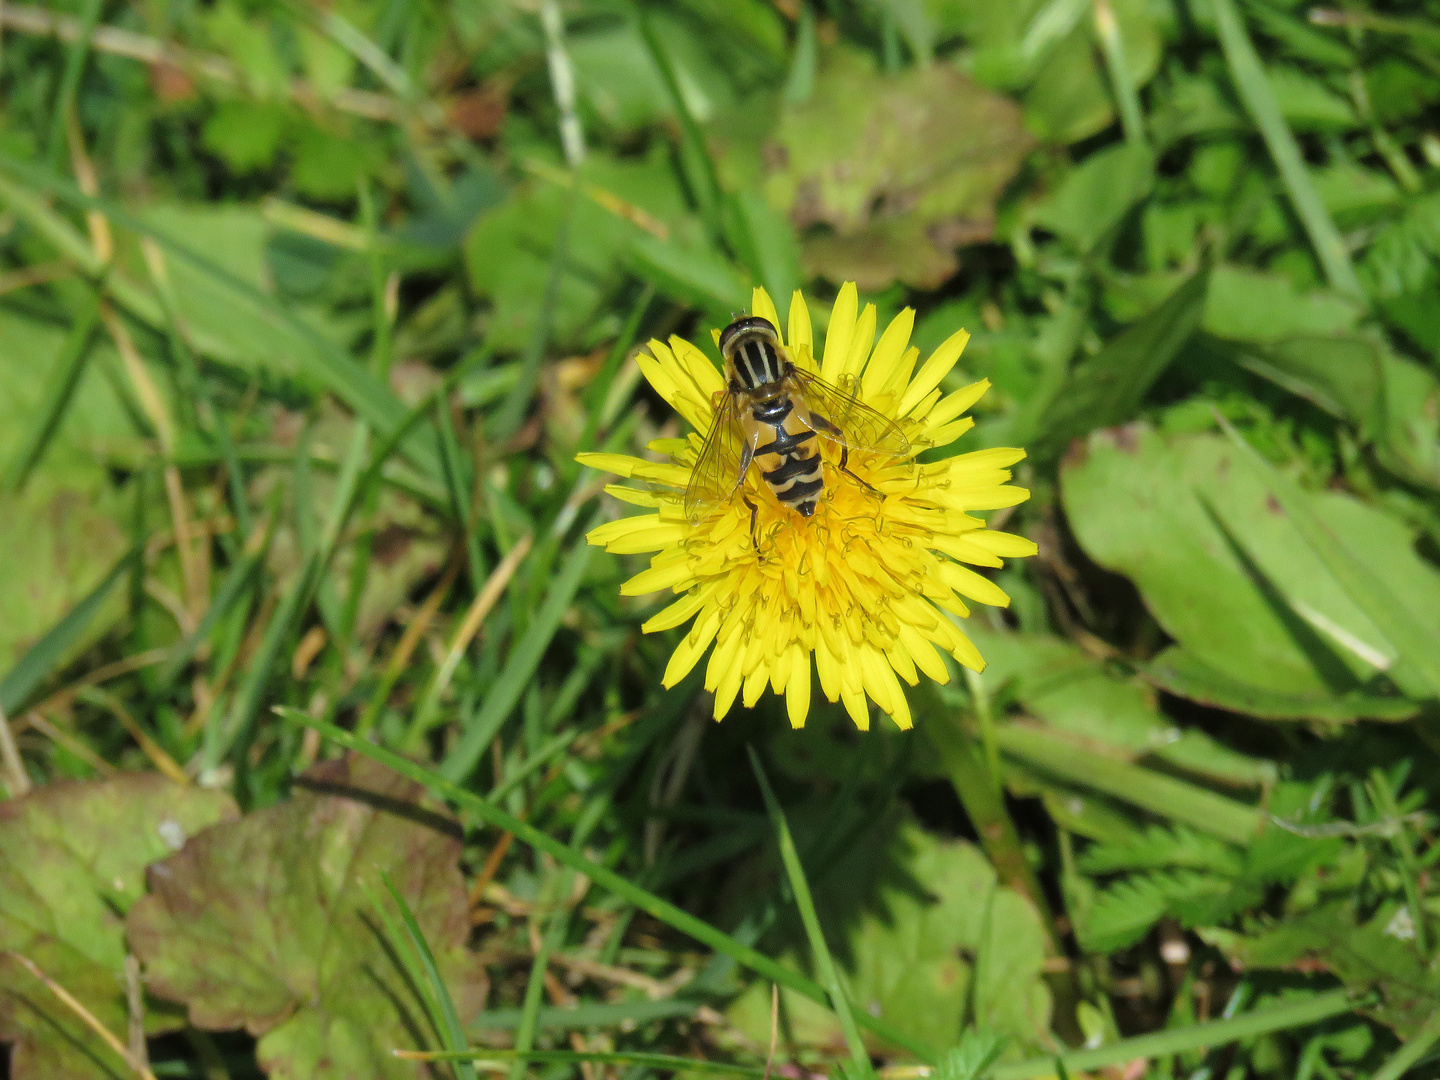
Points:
(871, 584)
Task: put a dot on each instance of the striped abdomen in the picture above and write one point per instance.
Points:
(787, 455)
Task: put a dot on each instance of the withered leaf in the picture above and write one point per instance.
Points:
(72, 862)
(901, 169)
(268, 923)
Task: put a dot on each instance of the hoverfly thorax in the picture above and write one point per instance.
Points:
(775, 416)
(754, 360)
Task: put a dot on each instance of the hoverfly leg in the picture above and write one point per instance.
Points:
(844, 457)
(754, 510)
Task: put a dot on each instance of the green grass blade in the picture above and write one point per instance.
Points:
(829, 973)
(69, 241)
(454, 1033)
(550, 941)
(1145, 788)
(511, 414)
(520, 667)
(1112, 47)
(75, 58)
(603, 876)
(459, 481)
(694, 154)
(194, 388)
(600, 386)
(1417, 670)
(327, 362)
(964, 764)
(555, 745)
(40, 660)
(239, 728)
(1178, 1040)
(1400, 1062)
(237, 582)
(1255, 91)
(64, 380)
(589, 1015)
(665, 1062)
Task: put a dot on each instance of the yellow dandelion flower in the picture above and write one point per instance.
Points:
(866, 573)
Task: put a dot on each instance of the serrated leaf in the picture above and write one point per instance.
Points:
(72, 862)
(1158, 848)
(1373, 954)
(266, 923)
(1121, 915)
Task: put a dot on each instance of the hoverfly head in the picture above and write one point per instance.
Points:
(751, 347)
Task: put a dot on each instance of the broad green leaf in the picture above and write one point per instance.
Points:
(59, 542)
(1191, 105)
(1307, 103)
(901, 169)
(72, 862)
(1180, 672)
(80, 624)
(1075, 694)
(1049, 46)
(1356, 195)
(246, 135)
(1071, 97)
(688, 269)
(266, 923)
(1405, 620)
(1394, 402)
(331, 164)
(617, 76)
(914, 960)
(1095, 197)
(1075, 764)
(251, 45)
(1228, 575)
(1256, 306)
(221, 317)
(1069, 690)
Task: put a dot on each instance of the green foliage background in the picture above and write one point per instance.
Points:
(305, 310)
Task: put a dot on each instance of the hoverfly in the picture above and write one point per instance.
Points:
(772, 413)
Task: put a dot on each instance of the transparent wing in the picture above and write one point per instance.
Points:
(838, 415)
(721, 464)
